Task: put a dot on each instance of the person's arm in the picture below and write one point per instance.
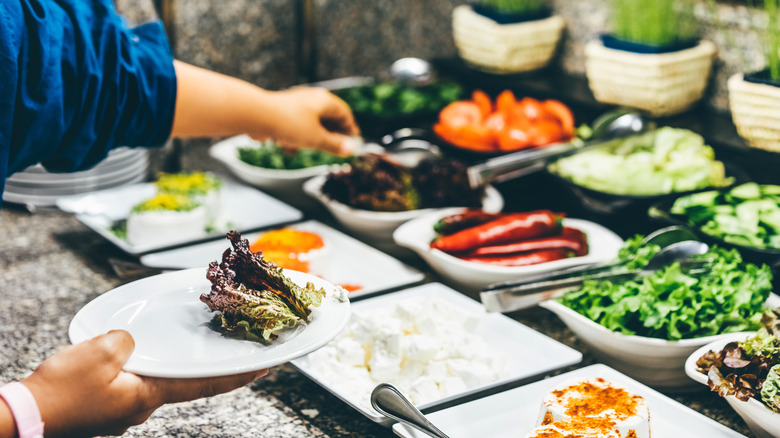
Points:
(82, 390)
(212, 104)
(7, 425)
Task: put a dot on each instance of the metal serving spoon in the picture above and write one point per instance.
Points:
(609, 126)
(389, 401)
(413, 71)
(527, 295)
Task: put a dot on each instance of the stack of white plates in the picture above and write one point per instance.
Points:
(35, 186)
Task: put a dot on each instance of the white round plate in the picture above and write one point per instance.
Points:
(170, 326)
(48, 200)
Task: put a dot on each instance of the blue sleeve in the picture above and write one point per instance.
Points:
(75, 82)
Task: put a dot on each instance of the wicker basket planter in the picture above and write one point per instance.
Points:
(659, 83)
(504, 48)
(755, 109)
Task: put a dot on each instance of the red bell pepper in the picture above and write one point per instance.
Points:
(523, 259)
(508, 227)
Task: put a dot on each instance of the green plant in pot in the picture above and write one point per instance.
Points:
(653, 58)
(754, 98)
(506, 36)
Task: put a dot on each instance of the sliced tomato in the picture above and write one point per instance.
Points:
(505, 102)
(461, 113)
(483, 102)
(531, 108)
(562, 113)
(545, 131)
(496, 123)
(513, 138)
(471, 137)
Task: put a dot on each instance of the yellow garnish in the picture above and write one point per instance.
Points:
(196, 182)
(167, 201)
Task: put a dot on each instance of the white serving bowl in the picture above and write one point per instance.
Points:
(655, 362)
(377, 226)
(418, 233)
(761, 420)
(277, 181)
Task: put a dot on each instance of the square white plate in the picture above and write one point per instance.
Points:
(528, 353)
(349, 261)
(244, 209)
(514, 413)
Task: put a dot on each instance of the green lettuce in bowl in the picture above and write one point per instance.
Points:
(647, 327)
(666, 160)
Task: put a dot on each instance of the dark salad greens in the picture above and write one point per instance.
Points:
(748, 369)
(269, 155)
(375, 183)
(673, 303)
(395, 99)
(747, 215)
(253, 297)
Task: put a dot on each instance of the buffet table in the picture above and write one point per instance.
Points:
(53, 265)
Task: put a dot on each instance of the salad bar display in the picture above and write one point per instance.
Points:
(640, 304)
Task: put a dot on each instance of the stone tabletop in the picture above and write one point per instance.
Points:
(52, 265)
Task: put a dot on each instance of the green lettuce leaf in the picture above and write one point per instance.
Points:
(672, 304)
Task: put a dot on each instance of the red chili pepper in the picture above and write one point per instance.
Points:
(523, 259)
(570, 238)
(460, 221)
(508, 227)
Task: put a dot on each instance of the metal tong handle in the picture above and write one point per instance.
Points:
(529, 295)
(559, 274)
(389, 401)
(516, 164)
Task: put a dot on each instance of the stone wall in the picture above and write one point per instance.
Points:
(257, 40)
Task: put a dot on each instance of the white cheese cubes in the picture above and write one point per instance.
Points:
(592, 408)
(424, 346)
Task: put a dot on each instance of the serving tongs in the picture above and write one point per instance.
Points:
(616, 124)
(510, 297)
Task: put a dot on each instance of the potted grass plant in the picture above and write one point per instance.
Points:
(506, 36)
(754, 98)
(653, 58)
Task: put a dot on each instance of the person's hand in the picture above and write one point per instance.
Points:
(82, 390)
(314, 117)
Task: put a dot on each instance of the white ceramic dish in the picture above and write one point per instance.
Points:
(169, 324)
(761, 420)
(418, 233)
(350, 261)
(514, 413)
(288, 182)
(528, 353)
(378, 226)
(655, 362)
(244, 209)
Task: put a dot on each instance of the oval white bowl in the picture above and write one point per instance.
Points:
(655, 362)
(418, 233)
(378, 226)
(288, 182)
(761, 420)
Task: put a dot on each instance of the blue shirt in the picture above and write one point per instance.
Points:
(76, 82)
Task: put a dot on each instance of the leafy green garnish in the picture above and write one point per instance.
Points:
(119, 229)
(672, 304)
(270, 155)
(395, 99)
